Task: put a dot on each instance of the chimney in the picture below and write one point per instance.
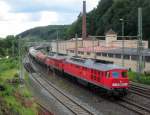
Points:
(84, 21)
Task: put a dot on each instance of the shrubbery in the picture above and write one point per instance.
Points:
(144, 79)
(9, 80)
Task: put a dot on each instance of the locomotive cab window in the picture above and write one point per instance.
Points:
(115, 74)
(124, 74)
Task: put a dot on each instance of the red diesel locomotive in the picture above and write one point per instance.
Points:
(106, 75)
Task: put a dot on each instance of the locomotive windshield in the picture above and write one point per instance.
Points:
(115, 74)
(124, 74)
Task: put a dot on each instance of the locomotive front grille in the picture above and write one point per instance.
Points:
(119, 84)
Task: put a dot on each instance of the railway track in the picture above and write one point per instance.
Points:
(137, 108)
(140, 90)
(131, 105)
(76, 107)
(43, 110)
(147, 87)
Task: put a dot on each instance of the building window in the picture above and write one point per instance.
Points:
(134, 57)
(80, 52)
(99, 54)
(88, 53)
(147, 58)
(118, 55)
(110, 55)
(72, 51)
(126, 57)
(104, 54)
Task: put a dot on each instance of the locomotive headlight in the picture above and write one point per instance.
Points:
(119, 84)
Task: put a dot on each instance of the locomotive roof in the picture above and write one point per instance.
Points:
(94, 65)
(58, 57)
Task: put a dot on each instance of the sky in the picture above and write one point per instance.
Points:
(17, 16)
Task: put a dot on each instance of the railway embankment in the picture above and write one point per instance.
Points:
(15, 98)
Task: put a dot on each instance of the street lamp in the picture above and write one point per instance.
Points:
(76, 45)
(122, 22)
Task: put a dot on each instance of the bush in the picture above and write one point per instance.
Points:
(144, 79)
(7, 64)
(2, 88)
(16, 75)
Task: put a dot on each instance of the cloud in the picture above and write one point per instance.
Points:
(16, 23)
(43, 5)
(49, 5)
(19, 15)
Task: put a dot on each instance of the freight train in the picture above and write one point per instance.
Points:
(106, 75)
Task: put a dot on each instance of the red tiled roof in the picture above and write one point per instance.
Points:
(96, 49)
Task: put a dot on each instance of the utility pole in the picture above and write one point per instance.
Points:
(20, 60)
(122, 29)
(139, 46)
(13, 48)
(21, 71)
(57, 49)
(93, 45)
(76, 45)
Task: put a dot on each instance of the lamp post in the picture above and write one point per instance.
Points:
(122, 22)
(76, 45)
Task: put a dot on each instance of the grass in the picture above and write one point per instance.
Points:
(13, 103)
(8, 74)
(143, 79)
(8, 70)
(7, 64)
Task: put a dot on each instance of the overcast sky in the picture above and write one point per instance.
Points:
(19, 15)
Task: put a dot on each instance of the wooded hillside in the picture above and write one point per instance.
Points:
(104, 17)
(107, 15)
